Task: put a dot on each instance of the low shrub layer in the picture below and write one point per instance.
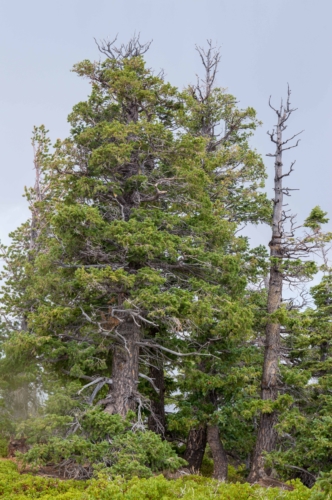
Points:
(14, 486)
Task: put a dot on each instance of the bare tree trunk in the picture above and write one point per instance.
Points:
(220, 462)
(124, 395)
(156, 420)
(266, 437)
(196, 444)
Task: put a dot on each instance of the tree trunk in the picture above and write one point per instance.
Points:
(156, 420)
(266, 440)
(266, 437)
(220, 463)
(196, 444)
(124, 394)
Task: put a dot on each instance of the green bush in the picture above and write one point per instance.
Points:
(106, 442)
(14, 486)
(323, 487)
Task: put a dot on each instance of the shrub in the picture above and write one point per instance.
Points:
(323, 487)
(106, 442)
(14, 486)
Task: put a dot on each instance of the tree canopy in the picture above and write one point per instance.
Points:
(135, 314)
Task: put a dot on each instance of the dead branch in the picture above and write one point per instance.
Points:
(134, 48)
(210, 59)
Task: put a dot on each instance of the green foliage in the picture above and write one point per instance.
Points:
(323, 487)
(305, 428)
(316, 218)
(14, 486)
(103, 442)
(134, 216)
(134, 222)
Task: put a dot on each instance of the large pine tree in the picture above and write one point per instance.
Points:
(134, 249)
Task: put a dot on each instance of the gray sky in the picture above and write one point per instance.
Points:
(264, 45)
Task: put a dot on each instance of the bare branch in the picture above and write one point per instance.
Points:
(290, 170)
(134, 48)
(210, 59)
(149, 379)
(96, 381)
(294, 146)
(291, 138)
(100, 385)
(181, 354)
(300, 469)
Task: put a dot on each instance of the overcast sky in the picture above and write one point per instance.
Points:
(264, 45)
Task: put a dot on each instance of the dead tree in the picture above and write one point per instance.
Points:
(266, 437)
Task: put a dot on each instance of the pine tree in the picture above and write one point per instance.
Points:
(212, 114)
(135, 252)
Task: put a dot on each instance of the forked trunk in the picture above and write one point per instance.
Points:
(124, 395)
(220, 462)
(196, 444)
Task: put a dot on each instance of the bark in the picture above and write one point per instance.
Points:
(219, 456)
(196, 444)
(124, 395)
(266, 440)
(156, 420)
(266, 437)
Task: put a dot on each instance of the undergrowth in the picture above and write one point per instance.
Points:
(16, 486)
(103, 442)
